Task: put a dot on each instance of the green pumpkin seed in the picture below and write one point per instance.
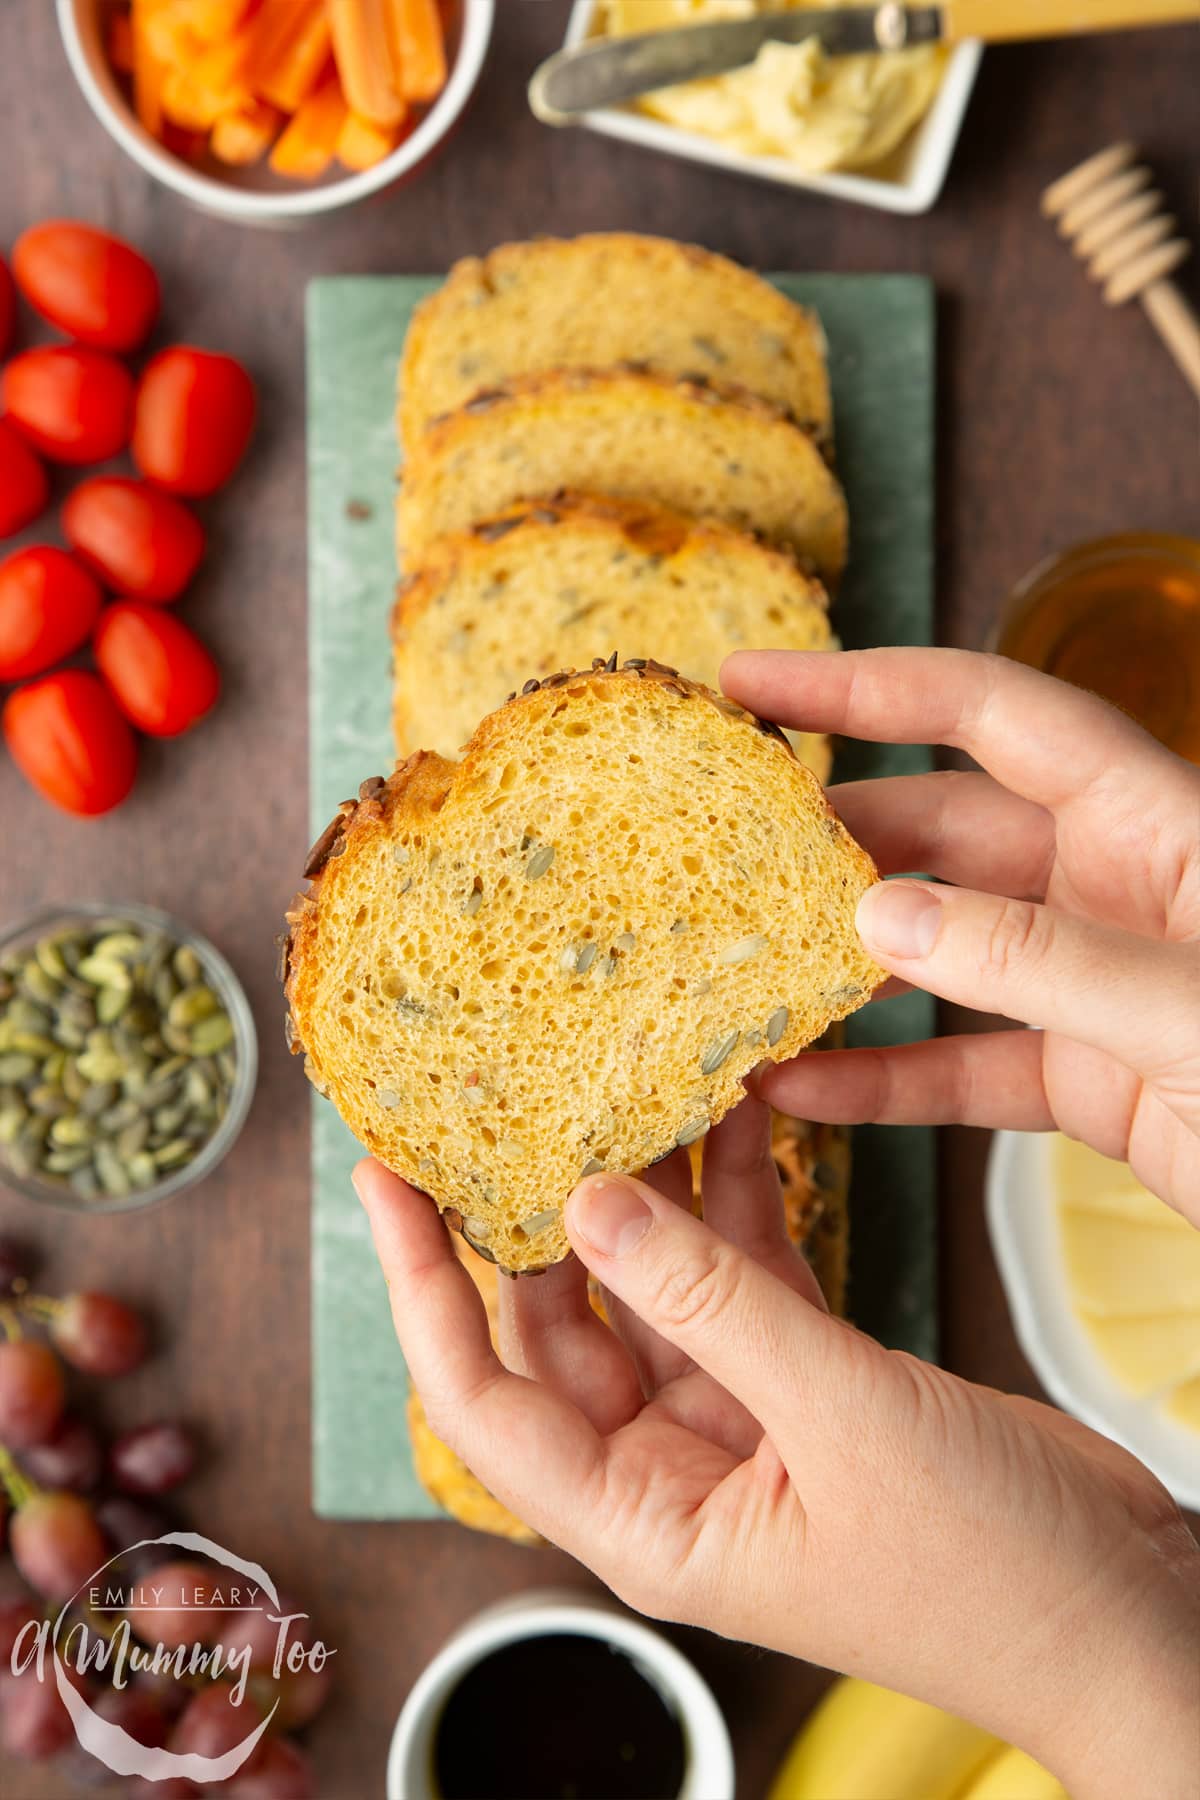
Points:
(38, 985)
(111, 1171)
(49, 1101)
(32, 1043)
(11, 1120)
(16, 1067)
(118, 1116)
(51, 960)
(215, 1033)
(72, 1130)
(27, 1015)
(123, 946)
(83, 1183)
(167, 1119)
(777, 1025)
(95, 1101)
(100, 1065)
(143, 1170)
(192, 1005)
(52, 1068)
(65, 1162)
(196, 1090)
(111, 1002)
(105, 972)
(227, 1066)
(171, 1155)
(74, 1085)
(187, 965)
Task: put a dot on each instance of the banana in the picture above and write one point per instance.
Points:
(868, 1743)
(1011, 1775)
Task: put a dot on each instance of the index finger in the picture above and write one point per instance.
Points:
(1048, 742)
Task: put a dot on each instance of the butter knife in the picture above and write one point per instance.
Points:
(607, 71)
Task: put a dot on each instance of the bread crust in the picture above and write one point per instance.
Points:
(411, 798)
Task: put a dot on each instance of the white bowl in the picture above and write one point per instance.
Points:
(1023, 1222)
(708, 1773)
(909, 181)
(255, 196)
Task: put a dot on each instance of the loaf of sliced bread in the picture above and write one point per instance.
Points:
(699, 449)
(564, 953)
(611, 297)
(546, 587)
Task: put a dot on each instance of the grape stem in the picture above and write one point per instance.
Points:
(17, 1484)
(40, 1306)
(10, 1324)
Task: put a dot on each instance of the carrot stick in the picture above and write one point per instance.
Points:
(290, 48)
(212, 20)
(360, 44)
(147, 72)
(118, 42)
(197, 92)
(243, 134)
(361, 145)
(418, 47)
(306, 148)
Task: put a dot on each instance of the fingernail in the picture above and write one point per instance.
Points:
(609, 1214)
(357, 1184)
(900, 918)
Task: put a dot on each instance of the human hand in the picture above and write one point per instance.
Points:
(1075, 907)
(730, 1455)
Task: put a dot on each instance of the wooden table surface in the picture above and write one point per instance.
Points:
(1057, 421)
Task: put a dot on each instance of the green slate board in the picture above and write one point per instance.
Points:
(880, 330)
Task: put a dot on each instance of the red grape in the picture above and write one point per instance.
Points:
(169, 1606)
(72, 1458)
(279, 1770)
(212, 1725)
(136, 1712)
(34, 1723)
(57, 1544)
(175, 1787)
(258, 1632)
(16, 1265)
(153, 1458)
(125, 1522)
(32, 1393)
(98, 1334)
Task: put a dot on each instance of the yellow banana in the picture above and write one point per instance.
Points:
(868, 1743)
(1011, 1775)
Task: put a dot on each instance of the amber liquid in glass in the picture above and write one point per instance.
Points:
(1122, 619)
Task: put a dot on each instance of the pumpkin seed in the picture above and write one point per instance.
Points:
(479, 1228)
(72, 1130)
(511, 1150)
(719, 1053)
(16, 1067)
(105, 972)
(680, 926)
(187, 965)
(50, 959)
(111, 1171)
(585, 959)
(387, 1098)
(38, 985)
(777, 1025)
(401, 854)
(472, 903)
(592, 1166)
(539, 1221)
(118, 946)
(11, 1120)
(539, 862)
(48, 1100)
(743, 950)
(143, 1170)
(695, 1128)
(624, 943)
(179, 1150)
(165, 989)
(211, 1034)
(192, 1005)
(111, 1003)
(65, 1162)
(133, 1138)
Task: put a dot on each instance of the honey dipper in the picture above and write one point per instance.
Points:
(1116, 222)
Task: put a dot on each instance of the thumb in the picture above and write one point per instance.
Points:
(767, 1346)
(1132, 997)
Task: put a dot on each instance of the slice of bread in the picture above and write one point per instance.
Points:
(610, 297)
(564, 953)
(543, 588)
(702, 450)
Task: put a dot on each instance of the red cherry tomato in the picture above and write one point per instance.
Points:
(68, 738)
(195, 413)
(140, 541)
(94, 287)
(74, 405)
(24, 487)
(161, 676)
(48, 607)
(8, 308)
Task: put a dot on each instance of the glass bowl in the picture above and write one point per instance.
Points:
(220, 977)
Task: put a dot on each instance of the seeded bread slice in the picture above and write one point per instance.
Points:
(610, 297)
(565, 952)
(696, 448)
(541, 588)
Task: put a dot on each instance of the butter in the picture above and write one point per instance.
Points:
(816, 111)
(1089, 1182)
(1147, 1354)
(1183, 1406)
(1120, 1270)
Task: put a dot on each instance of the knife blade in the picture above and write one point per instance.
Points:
(609, 70)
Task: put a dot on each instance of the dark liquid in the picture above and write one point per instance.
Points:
(557, 1718)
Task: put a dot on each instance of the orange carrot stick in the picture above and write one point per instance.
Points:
(290, 49)
(118, 42)
(361, 144)
(306, 148)
(213, 20)
(147, 71)
(418, 47)
(360, 44)
(245, 133)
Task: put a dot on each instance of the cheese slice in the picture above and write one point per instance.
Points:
(1147, 1354)
(1093, 1183)
(1184, 1405)
(1120, 1269)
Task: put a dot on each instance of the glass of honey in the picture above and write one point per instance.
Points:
(1121, 617)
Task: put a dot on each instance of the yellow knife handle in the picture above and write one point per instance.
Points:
(996, 20)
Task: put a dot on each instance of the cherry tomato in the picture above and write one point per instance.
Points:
(140, 541)
(195, 413)
(48, 607)
(74, 405)
(68, 738)
(8, 308)
(24, 487)
(161, 676)
(94, 287)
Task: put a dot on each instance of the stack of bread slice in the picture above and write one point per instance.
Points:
(611, 443)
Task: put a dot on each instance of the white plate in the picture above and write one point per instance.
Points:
(1023, 1221)
(914, 173)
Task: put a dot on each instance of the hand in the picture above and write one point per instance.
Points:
(1076, 905)
(732, 1456)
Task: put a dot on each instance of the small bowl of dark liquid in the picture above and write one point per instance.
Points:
(560, 1697)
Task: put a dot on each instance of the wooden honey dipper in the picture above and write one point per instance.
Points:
(1116, 221)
